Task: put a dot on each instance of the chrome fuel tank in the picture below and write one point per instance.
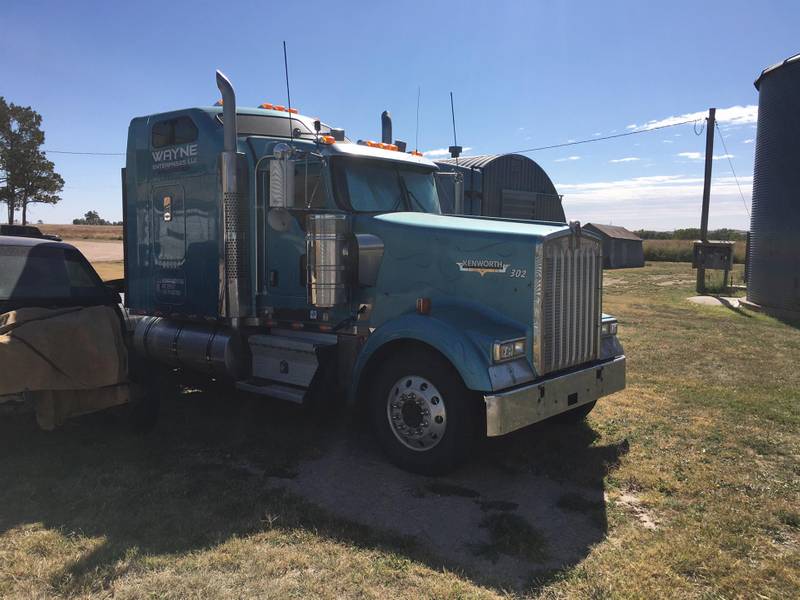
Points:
(216, 351)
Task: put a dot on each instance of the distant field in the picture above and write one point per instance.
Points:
(84, 232)
(681, 251)
(109, 270)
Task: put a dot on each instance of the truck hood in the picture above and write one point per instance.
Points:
(486, 227)
(485, 266)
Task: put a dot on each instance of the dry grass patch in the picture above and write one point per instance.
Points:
(217, 502)
(84, 232)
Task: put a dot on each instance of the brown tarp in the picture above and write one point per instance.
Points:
(61, 349)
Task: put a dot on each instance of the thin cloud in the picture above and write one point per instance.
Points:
(625, 160)
(733, 115)
(658, 201)
(566, 158)
(748, 141)
(440, 152)
(701, 156)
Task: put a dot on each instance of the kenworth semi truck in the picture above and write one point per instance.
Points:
(265, 249)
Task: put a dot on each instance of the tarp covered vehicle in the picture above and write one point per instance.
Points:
(62, 334)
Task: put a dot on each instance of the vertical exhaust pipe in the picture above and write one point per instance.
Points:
(386, 127)
(234, 295)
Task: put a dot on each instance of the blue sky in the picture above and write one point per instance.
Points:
(524, 74)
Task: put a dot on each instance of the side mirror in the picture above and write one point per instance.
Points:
(281, 177)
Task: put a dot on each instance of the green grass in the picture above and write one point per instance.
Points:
(681, 250)
(703, 445)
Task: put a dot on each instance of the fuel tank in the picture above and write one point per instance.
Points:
(214, 350)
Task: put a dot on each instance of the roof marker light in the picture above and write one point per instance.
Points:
(266, 105)
(327, 139)
(416, 153)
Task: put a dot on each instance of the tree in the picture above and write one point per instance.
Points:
(91, 217)
(26, 176)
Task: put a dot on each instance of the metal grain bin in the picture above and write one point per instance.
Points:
(504, 185)
(774, 267)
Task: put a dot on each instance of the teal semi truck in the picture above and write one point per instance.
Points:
(266, 249)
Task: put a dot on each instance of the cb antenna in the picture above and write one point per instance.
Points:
(416, 137)
(455, 149)
(288, 93)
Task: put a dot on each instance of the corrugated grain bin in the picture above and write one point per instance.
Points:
(774, 268)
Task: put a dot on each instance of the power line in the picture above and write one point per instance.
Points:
(84, 153)
(605, 137)
(736, 179)
(553, 146)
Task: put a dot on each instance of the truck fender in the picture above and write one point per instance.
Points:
(440, 333)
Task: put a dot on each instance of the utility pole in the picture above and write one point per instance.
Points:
(710, 125)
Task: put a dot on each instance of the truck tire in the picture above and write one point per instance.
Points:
(576, 415)
(425, 418)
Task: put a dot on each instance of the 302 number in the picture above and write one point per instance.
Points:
(518, 273)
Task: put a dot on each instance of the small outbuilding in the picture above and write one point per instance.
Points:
(502, 185)
(621, 248)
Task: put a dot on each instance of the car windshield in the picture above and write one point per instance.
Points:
(384, 186)
(43, 272)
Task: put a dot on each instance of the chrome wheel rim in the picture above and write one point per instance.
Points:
(416, 413)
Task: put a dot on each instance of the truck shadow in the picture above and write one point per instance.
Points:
(529, 507)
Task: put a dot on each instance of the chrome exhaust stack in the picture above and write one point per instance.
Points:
(234, 297)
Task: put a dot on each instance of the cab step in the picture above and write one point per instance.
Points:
(273, 389)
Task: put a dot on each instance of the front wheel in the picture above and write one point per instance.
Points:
(425, 418)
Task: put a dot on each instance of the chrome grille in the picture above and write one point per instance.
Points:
(569, 276)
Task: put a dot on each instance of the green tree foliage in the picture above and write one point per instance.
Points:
(92, 217)
(26, 176)
(692, 234)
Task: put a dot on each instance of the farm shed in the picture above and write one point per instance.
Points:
(621, 248)
(503, 185)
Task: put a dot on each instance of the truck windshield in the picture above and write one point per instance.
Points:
(383, 186)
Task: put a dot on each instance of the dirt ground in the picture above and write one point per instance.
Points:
(98, 251)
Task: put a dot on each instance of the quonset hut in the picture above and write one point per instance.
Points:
(503, 185)
(774, 269)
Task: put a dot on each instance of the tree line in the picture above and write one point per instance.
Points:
(693, 233)
(26, 176)
(93, 218)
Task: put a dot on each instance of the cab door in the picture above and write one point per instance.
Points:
(285, 235)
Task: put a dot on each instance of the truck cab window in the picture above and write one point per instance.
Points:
(181, 130)
(309, 188)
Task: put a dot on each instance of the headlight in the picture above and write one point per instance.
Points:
(608, 328)
(503, 351)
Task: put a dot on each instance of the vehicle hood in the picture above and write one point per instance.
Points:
(483, 265)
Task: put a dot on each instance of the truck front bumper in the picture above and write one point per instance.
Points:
(516, 408)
